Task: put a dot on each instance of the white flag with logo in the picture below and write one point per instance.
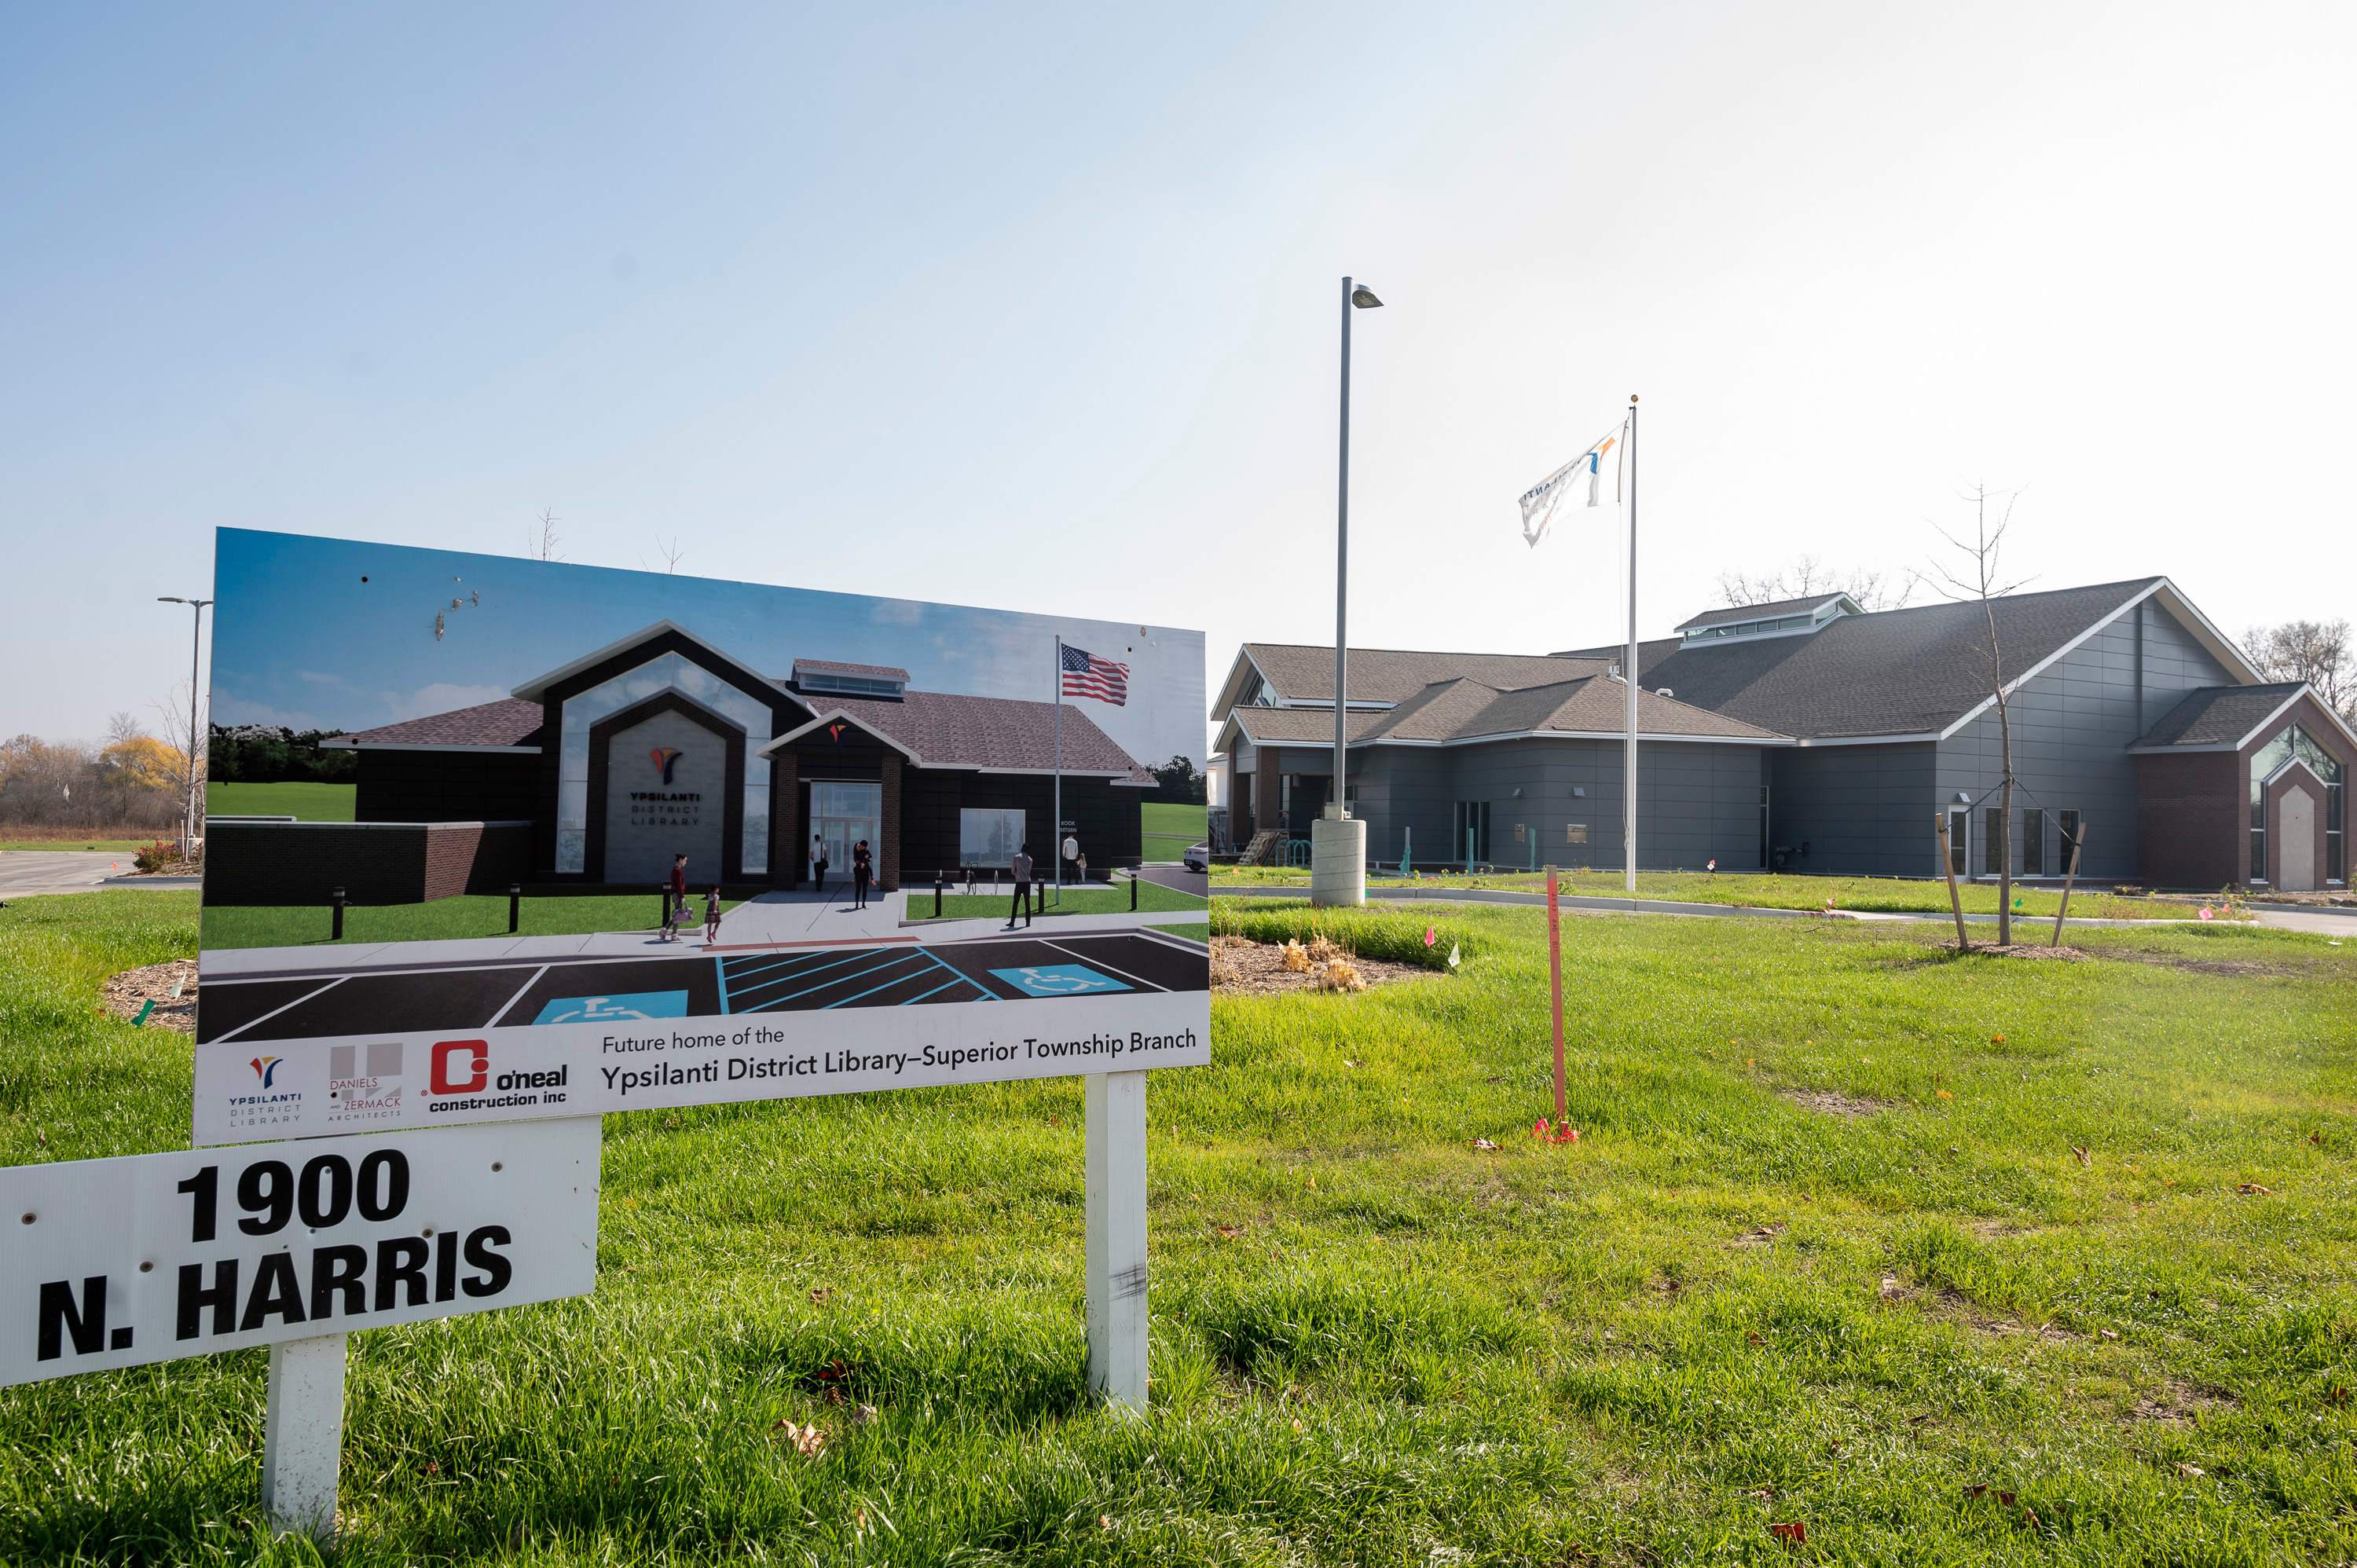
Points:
(1540, 502)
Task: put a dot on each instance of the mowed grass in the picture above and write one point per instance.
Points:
(1170, 829)
(1763, 891)
(1096, 899)
(468, 914)
(1726, 1308)
(299, 799)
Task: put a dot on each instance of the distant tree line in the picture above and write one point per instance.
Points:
(261, 754)
(131, 782)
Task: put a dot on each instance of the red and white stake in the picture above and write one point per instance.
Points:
(1555, 982)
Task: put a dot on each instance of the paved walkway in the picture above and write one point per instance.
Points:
(23, 872)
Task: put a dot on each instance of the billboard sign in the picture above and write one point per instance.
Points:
(107, 1263)
(542, 760)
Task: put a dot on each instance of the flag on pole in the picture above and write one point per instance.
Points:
(1086, 676)
(1540, 502)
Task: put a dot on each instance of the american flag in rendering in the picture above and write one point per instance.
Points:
(1086, 676)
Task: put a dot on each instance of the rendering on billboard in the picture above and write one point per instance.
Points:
(623, 839)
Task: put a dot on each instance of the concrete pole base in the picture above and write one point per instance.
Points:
(1338, 863)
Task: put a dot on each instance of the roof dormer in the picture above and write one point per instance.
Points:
(1786, 618)
(875, 682)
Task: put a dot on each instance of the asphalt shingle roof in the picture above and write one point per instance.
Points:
(949, 731)
(1757, 612)
(1302, 672)
(1463, 710)
(1906, 672)
(510, 721)
(2217, 715)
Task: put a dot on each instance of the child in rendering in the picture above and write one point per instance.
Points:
(712, 917)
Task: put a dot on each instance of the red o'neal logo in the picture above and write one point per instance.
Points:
(452, 1058)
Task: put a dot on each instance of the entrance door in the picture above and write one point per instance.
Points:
(2296, 842)
(1306, 802)
(842, 814)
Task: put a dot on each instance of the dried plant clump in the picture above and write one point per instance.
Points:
(1340, 973)
(1295, 956)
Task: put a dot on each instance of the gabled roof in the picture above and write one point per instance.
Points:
(1304, 672)
(2228, 718)
(537, 687)
(506, 724)
(995, 735)
(1761, 612)
(1461, 712)
(1908, 673)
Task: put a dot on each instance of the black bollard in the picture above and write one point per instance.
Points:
(336, 902)
(515, 907)
(1133, 892)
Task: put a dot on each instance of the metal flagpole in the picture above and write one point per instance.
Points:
(1629, 671)
(1056, 834)
(1337, 808)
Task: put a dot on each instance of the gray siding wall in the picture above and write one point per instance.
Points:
(1700, 801)
(1862, 811)
(2072, 727)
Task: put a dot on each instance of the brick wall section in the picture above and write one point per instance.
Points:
(2193, 820)
(887, 868)
(267, 864)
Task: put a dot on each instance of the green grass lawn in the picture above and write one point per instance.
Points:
(309, 802)
(1768, 892)
(1095, 900)
(1909, 1319)
(1171, 829)
(470, 915)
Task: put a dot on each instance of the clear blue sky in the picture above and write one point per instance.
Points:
(322, 633)
(1034, 307)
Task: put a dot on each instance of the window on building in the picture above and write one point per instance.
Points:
(1473, 830)
(1960, 824)
(1992, 835)
(989, 836)
(1575, 833)
(2069, 836)
(1763, 827)
(849, 685)
(2033, 843)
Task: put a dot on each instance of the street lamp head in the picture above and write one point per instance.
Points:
(170, 599)
(1365, 298)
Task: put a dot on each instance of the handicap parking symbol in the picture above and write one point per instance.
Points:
(625, 1008)
(1058, 980)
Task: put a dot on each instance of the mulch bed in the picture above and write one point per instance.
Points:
(2023, 949)
(124, 994)
(1244, 968)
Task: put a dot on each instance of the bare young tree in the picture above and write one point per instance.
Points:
(1805, 576)
(2315, 651)
(1975, 578)
(542, 545)
(123, 726)
(670, 553)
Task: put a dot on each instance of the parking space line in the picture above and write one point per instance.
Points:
(896, 979)
(1096, 962)
(986, 994)
(512, 1000)
(274, 1013)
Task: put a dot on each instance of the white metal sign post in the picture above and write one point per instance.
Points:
(1115, 1108)
(111, 1263)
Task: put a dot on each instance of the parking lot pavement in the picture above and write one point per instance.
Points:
(23, 872)
(2341, 923)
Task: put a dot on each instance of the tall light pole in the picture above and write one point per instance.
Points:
(1338, 870)
(196, 650)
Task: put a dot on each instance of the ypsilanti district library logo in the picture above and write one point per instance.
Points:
(270, 1104)
(666, 808)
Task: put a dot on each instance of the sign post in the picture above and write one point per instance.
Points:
(1115, 1112)
(1555, 984)
(303, 1434)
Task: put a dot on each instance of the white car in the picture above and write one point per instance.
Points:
(1199, 858)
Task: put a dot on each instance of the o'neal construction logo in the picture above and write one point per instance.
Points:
(665, 758)
(270, 1105)
(461, 1070)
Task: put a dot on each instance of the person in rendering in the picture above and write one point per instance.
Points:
(712, 917)
(675, 900)
(1022, 887)
(862, 867)
(818, 862)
